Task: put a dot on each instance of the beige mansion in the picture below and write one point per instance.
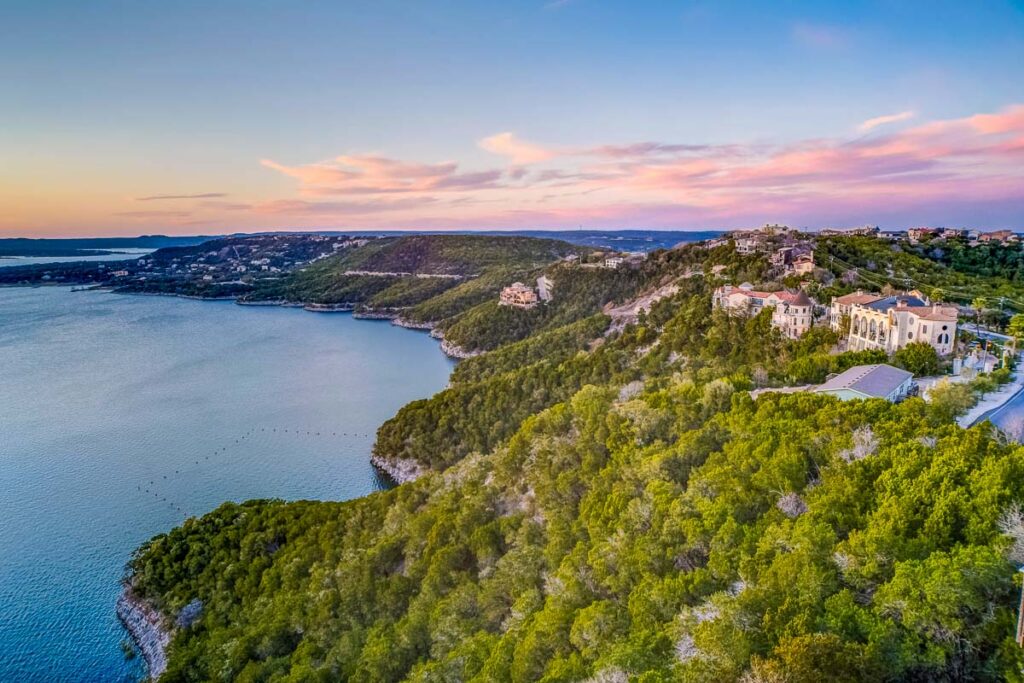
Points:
(889, 323)
(792, 314)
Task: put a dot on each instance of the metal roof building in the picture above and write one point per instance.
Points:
(869, 381)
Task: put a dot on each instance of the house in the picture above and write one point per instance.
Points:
(918, 234)
(803, 264)
(518, 295)
(1000, 236)
(782, 257)
(791, 314)
(842, 306)
(120, 273)
(866, 230)
(889, 323)
(717, 242)
(869, 381)
(750, 244)
(613, 262)
(545, 288)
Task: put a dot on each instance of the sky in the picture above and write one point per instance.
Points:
(126, 118)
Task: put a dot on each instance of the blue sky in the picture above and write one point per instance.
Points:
(104, 103)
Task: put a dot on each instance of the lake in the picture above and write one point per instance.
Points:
(120, 415)
(121, 255)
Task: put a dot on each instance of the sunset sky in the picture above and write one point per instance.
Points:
(124, 118)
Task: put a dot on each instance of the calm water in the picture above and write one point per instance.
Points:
(101, 394)
(122, 255)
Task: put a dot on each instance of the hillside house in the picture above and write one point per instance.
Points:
(782, 257)
(518, 295)
(803, 264)
(918, 234)
(889, 323)
(791, 314)
(750, 244)
(999, 236)
(613, 262)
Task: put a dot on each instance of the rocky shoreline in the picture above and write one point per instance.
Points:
(456, 351)
(375, 315)
(412, 325)
(147, 629)
(329, 308)
(402, 470)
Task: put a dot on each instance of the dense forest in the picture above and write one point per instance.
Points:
(603, 500)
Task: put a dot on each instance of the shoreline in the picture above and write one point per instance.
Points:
(401, 471)
(146, 627)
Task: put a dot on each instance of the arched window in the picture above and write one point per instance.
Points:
(873, 331)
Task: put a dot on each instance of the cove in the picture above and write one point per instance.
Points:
(122, 415)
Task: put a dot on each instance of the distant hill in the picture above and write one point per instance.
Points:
(393, 272)
(89, 246)
(453, 254)
(619, 240)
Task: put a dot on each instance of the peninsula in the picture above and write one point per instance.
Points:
(597, 492)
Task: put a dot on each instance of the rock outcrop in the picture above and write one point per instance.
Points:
(402, 470)
(147, 629)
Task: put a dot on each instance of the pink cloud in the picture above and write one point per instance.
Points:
(940, 171)
(519, 152)
(877, 121)
(368, 175)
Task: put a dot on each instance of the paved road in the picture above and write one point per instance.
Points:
(1010, 413)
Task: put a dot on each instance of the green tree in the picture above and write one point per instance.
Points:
(1016, 326)
(919, 358)
(948, 400)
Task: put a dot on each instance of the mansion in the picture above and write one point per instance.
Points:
(792, 311)
(518, 295)
(889, 323)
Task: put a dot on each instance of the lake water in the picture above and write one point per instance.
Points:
(121, 255)
(103, 396)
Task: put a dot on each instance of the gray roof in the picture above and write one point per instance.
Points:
(873, 380)
(891, 301)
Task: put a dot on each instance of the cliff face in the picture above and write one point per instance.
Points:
(399, 469)
(147, 629)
